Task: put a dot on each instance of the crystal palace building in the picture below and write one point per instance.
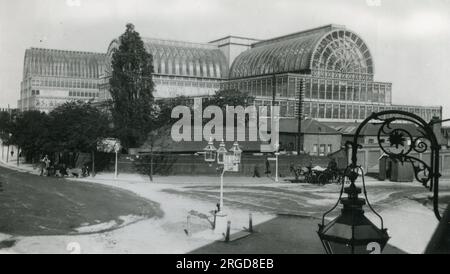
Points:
(329, 70)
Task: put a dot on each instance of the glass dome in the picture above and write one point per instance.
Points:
(331, 48)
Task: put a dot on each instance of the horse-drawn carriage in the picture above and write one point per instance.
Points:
(316, 175)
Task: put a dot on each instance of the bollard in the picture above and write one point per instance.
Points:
(227, 235)
(188, 225)
(250, 223)
(214, 223)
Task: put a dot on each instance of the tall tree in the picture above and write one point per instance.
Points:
(77, 127)
(30, 130)
(5, 125)
(131, 88)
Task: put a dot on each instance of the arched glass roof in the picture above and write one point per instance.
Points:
(342, 51)
(63, 63)
(325, 48)
(183, 58)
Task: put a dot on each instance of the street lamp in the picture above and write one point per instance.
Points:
(351, 232)
(221, 153)
(277, 153)
(237, 151)
(228, 161)
(210, 152)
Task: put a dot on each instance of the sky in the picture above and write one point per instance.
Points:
(409, 39)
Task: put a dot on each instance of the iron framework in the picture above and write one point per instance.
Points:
(399, 144)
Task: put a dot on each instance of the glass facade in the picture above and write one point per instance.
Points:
(53, 77)
(332, 63)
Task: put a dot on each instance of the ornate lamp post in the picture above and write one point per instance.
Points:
(210, 152)
(277, 153)
(221, 153)
(227, 161)
(237, 152)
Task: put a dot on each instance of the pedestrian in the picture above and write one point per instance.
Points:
(47, 164)
(43, 165)
(268, 172)
(256, 172)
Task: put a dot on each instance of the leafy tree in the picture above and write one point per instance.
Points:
(30, 131)
(77, 126)
(164, 110)
(230, 97)
(5, 126)
(131, 88)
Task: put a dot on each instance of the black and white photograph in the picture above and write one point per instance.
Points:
(210, 128)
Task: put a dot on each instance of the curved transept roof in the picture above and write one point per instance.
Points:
(328, 48)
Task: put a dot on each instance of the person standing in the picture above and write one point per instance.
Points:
(268, 172)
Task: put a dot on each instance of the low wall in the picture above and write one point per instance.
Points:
(195, 165)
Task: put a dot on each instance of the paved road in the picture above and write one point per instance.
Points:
(309, 200)
(34, 205)
(281, 235)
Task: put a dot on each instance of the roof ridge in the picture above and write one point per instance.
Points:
(297, 34)
(171, 42)
(65, 51)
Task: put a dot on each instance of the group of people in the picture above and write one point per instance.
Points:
(61, 169)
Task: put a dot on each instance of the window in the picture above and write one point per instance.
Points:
(335, 111)
(329, 92)
(362, 112)
(322, 89)
(356, 92)
(349, 112)
(279, 89)
(329, 147)
(382, 97)
(284, 87)
(328, 111)
(314, 110)
(307, 109)
(388, 94)
(335, 90)
(321, 111)
(342, 90)
(342, 112)
(355, 112)
(322, 150)
(283, 108)
(363, 92)
(350, 92)
(269, 87)
(308, 88)
(315, 89)
(291, 109)
(376, 89)
(314, 150)
(369, 93)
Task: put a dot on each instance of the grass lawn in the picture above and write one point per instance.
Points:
(34, 205)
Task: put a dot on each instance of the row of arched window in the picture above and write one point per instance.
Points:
(186, 67)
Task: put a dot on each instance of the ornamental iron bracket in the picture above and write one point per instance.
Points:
(403, 144)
